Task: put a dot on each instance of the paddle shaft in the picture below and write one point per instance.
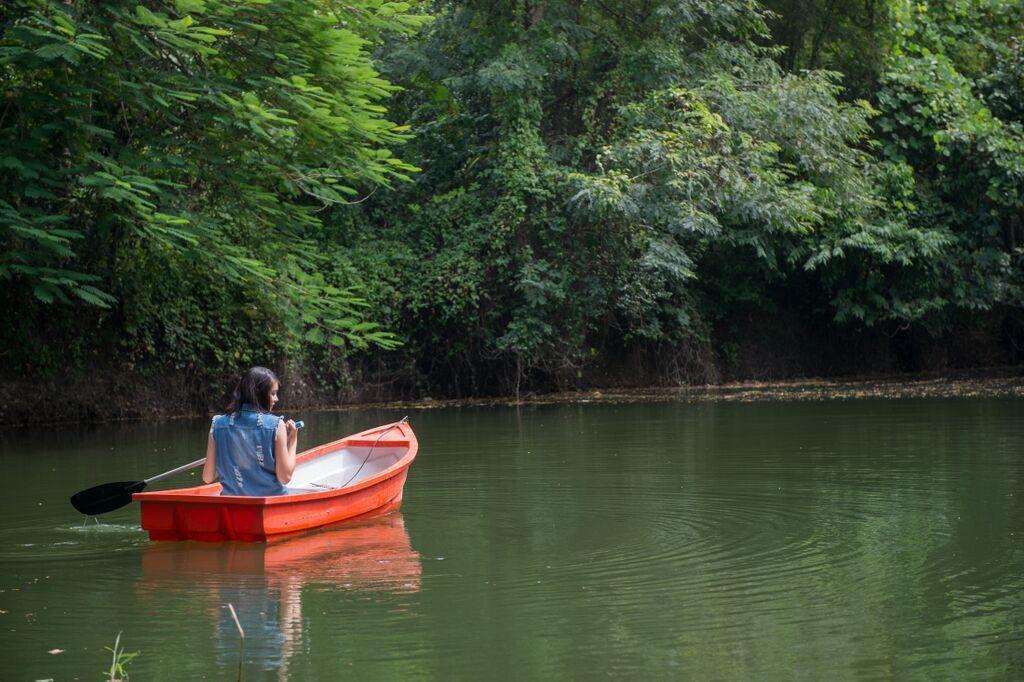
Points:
(168, 474)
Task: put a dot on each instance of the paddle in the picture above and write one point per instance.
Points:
(107, 497)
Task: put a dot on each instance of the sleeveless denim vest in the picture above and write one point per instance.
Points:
(245, 452)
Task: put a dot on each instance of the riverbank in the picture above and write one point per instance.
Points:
(125, 401)
(998, 382)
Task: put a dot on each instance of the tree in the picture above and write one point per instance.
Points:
(623, 175)
(156, 154)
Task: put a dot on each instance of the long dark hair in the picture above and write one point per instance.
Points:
(253, 388)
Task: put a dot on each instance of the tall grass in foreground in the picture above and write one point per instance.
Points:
(119, 661)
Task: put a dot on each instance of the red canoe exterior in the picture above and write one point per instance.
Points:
(202, 513)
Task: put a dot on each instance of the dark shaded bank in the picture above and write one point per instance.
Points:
(90, 380)
(780, 349)
(129, 395)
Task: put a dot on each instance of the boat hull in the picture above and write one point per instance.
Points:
(201, 513)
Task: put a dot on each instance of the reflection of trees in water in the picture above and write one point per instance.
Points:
(729, 540)
(264, 581)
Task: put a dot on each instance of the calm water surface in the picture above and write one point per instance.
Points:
(847, 539)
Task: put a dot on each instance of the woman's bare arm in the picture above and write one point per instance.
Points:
(210, 467)
(285, 441)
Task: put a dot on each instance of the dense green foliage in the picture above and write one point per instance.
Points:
(595, 180)
(607, 178)
(168, 162)
(948, 81)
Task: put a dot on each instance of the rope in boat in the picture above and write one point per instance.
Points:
(367, 458)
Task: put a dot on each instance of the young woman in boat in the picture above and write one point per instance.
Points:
(250, 450)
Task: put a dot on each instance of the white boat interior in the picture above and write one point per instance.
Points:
(341, 468)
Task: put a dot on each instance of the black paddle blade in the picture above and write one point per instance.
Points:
(105, 498)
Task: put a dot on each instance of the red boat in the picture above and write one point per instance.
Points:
(352, 478)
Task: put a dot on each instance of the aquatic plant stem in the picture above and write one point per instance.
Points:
(241, 639)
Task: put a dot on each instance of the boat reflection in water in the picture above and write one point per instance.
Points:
(264, 581)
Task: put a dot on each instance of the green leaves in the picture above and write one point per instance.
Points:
(627, 176)
(619, 176)
(939, 97)
(201, 138)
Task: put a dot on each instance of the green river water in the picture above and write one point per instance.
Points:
(843, 539)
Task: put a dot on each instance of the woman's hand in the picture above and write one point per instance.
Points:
(293, 433)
